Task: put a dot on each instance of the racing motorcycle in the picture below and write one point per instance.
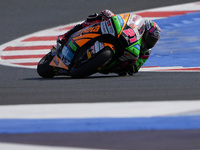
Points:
(101, 47)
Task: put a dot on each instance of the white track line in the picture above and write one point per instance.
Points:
(11, 146)
(99, 110)
(25, 52)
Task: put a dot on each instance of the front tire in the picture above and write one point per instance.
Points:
(43, 67)
(90, 67)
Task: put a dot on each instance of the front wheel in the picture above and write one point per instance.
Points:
(43, 67)
(91, 65)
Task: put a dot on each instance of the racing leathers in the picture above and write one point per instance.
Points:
(150, 35)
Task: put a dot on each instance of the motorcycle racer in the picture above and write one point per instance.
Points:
(150, 35)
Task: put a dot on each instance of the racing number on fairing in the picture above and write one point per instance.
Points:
(131, 34)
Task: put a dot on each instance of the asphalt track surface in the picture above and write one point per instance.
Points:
(24, 86)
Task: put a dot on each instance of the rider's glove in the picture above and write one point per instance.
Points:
(60, 43)
(60, 40)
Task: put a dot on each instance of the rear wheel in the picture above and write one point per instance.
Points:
(90, 66)
(43, 67)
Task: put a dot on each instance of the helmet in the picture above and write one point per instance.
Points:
(106, 14)
(152, 33)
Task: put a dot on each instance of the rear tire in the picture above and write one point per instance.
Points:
(90, 67)
(43, 67)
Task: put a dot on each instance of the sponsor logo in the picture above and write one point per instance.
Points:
(110, 27)
(98, 46)
(88, 29)
(104, 28)
(71, 44)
